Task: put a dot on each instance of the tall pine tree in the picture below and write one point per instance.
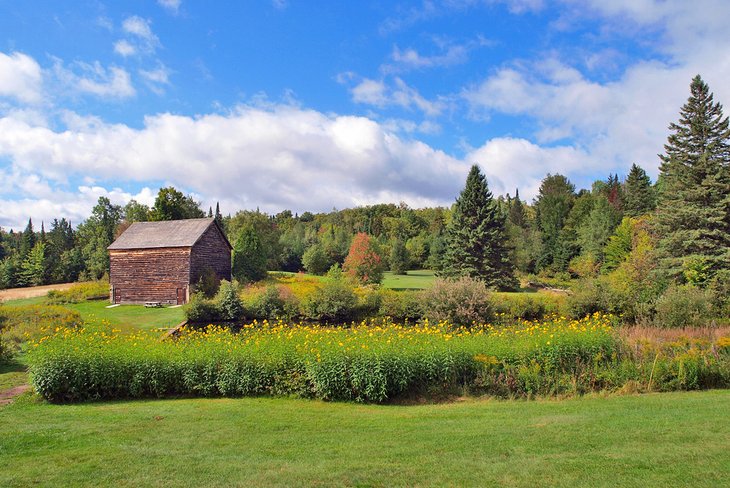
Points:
(475, 237)
(693, 212)
(639, 197)
(554, 202)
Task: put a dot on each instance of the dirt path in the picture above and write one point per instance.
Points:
(34, 291)
(8, 396)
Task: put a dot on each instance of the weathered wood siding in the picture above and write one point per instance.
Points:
(212, 251)
(145, 275)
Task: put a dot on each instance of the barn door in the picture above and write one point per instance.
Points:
(117, 295)
(180, 296)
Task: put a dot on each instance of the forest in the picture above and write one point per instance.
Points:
(623, 246)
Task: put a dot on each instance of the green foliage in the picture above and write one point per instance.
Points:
(79, 292)
(228, 303)
(18, 324)
(693, 212)
(334, 302)
(201, 310)
(553, 204)
(619, 245)
(315, 260)
(364, 263)
(276, 302)
(463, 301)
(249, 256)
(598, 227)
(399, 258)
(367, 363)
(171, 204)
(209, 282)
(528, 306)
(639, 195)
(697, 270)
(475, 237)
(401, 306)
(683, 306)
(33, 268)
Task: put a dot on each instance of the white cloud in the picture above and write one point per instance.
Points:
(171, 5)
(20, 77)
(156, 78)
(379, 94)
(124, 48)
(273, 158)
(112, 82)
(455, 54)
(139, 27)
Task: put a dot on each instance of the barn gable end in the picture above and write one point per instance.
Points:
(161, 261)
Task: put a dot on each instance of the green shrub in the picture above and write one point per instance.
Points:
(463, 301)
(528, 306)
(683, 306)
(334, 302)
(201, 310)
(79, 292)
(5, 353)
(228, 302)
(401, 305)
(275, 302)
(209, 283)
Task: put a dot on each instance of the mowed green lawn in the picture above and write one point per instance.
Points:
(125, 317)
(671, 439)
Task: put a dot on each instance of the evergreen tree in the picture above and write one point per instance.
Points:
(27, 239)
(693, 212)
(597, 228)
(33, 269)
(639, 198)
(249, 256)
(476, 238)
(554, 202)
(517, 215)
(399, 258)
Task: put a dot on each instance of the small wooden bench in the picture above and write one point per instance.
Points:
(153, 304)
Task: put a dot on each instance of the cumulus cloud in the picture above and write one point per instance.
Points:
(20, 77)
(273, 158)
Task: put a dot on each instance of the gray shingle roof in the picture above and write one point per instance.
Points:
(169, 233)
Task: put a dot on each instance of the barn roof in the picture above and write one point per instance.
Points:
(167, 233)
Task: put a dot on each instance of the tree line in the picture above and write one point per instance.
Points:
(621, 229)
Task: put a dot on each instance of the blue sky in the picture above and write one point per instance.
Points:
(314, 105)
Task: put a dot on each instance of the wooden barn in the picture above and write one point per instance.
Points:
(161, 261)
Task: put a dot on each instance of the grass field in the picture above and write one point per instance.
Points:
(674, 439)
(125, 317)
(415, 280)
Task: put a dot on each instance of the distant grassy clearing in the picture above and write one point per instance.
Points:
(415, 280)
(677, 439)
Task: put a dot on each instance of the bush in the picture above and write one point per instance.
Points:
(334, 302)
(5, 353)
(276, 302)
(529, 306)
(209, 283)
(401, 305)
(683, 306)
(315, 260)
(228, 302)
(79, 292)
(201, 310)
(464, 301)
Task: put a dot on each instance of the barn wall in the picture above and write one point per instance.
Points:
(211, 250)
(146, 275)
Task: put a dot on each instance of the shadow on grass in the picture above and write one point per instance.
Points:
(12, 366)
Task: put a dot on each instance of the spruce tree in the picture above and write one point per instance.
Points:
(27, 239)
(693, 211)
(554, 202)
(639, 197)
(476, 238)
(399, 257)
